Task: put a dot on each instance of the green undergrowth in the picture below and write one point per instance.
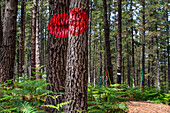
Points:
(151, 94)
(28, 96)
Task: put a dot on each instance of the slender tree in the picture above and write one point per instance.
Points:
(89, 43)
(1, 31)
(143, 45)
(77, 66)
(7, 49)
(33, 38)
(133, 58)
(107, 41)
(119, 43)
(37, 48)
(22, 39)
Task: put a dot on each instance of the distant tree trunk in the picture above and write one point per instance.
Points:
(143, 46)
(123, 71)
(128, 67)
(22, 39)
(33, 39)
(1, 31)
(107, 41)
(119, 43)
(100, 55)
(56, 57)
(7, 49)
(77, 66)
(37, 46)
(42, 38)
(157, 54)
(94, 62)
(133, 58)
(167, 33)
(149, 73)
(89, 43)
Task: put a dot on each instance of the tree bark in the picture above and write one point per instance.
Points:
(133, 58)
(143, 45)
(157, 54)
(107, 41)
(22, 39)
(89, 46)
(94, 62)
(33, 39)
(7, 49)
(37, 46)
(119, 43)
(1, 31)
(100, 56)
(56, 57)
(167, 33)
(77, 66)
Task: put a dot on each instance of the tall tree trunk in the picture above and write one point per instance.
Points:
(7, 49)
(56, 56)
(107, 41)
(1, 31)
(94, 62)
(42, 38)
(33, 39)
(157, 54)
(37, 48)
(22, 39)
(77, 66)
(100, 56)
(89, 47)
(143, 45)
(133, 58)
(149, 73)
(119, 43)
(167, 33)
(123, 71)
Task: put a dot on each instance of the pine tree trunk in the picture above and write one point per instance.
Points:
(143, 45)
(22, 39)
(77, 66)
(119, 43)
(133, 58)
(89, 47)
(107, 41)
(56, 57)
(94, 62)
(42, 38)
(167, 33)
(37, 46)
(1, 31)
(100, 56)
(157, 54)
(7, 49)
(33, 39)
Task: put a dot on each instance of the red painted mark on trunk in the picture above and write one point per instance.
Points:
(58, 25)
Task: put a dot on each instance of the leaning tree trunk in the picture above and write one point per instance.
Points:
(77, 65)
(56, 57)
(107, 41)
(22, 39)
(7, 49)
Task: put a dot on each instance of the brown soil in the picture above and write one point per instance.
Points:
(147, 107)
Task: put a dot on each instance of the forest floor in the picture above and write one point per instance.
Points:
(147, 107)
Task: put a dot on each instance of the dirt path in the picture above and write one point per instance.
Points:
(147, 107)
